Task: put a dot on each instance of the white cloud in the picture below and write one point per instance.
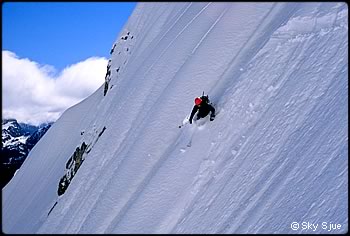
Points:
(32, 92)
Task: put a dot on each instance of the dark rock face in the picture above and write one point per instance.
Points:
(72, 166)
(75, 160)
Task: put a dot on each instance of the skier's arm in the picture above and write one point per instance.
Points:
(212, 109)
(194, 110)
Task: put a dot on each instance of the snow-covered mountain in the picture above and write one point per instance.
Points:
(13, 134)
(273, 161)
(17, 140)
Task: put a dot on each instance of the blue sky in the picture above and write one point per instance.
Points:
(62, 33)
(54, 55)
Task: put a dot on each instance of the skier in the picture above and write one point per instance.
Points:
(203, 107)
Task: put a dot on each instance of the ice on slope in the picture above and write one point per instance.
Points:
(276, 153)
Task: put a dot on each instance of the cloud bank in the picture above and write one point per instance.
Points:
(34, 93)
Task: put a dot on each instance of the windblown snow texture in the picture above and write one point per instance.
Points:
(274, 157)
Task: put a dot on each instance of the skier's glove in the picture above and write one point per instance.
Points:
(190, 121)
(212, 117)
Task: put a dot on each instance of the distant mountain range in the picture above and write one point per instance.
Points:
(17, 140)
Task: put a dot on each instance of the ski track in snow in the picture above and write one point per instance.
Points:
(275, 154)
(254, 192)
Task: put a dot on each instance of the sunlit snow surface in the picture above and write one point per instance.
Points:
(274, 158)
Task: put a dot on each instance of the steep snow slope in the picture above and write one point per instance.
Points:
(275, 154)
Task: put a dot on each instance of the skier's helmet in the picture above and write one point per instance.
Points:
(197, 101)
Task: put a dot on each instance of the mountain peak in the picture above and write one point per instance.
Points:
(17, 140)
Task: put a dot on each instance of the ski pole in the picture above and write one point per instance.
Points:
(186, 121)
(182, 125)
